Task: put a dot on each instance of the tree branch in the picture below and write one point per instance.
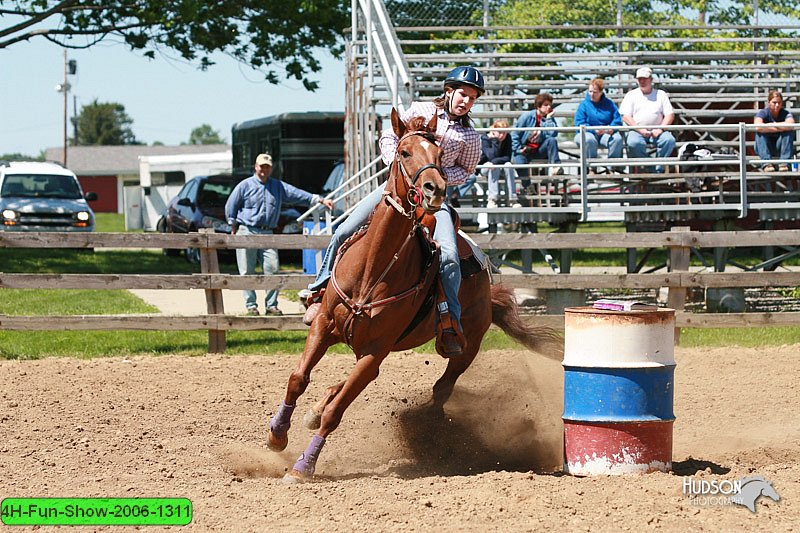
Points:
(36, 19)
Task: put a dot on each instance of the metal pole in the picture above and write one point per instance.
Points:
(742, 171)
(74, 120)
(65, 88)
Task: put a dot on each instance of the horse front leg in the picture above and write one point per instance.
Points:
(317, 343)
(365, 371)
(313, 417)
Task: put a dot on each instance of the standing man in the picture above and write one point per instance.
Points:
(648, 109)
(529, 145)
(253, 209)
(774, 136)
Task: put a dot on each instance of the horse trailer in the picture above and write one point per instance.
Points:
(304, 146)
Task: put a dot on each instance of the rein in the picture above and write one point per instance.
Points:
(413, 195)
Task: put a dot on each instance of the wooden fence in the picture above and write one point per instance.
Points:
(679, 242)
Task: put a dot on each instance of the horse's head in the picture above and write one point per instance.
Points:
(418, 175)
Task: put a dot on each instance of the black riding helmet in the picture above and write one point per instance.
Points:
(465, 76)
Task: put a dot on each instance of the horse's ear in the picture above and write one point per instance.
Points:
(433, 123)
(397, 124)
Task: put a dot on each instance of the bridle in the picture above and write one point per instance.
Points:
(413, 192)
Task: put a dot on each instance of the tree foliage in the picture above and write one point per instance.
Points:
(104, 123)
(268, 35)
(205, 134)
(16, 156)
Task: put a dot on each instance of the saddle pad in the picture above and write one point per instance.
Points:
(472, 258)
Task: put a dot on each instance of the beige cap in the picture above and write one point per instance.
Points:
(644, 72)
(264, 159)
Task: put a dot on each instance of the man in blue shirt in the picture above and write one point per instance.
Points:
(253, 209)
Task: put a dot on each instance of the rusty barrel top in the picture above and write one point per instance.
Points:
(614, 339)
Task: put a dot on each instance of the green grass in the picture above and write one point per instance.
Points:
(91, 344)
(110, 222)
(748, 337)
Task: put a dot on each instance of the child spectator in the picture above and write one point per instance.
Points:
(496, 157)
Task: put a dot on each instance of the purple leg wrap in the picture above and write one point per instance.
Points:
(281, 421)
(308, 461)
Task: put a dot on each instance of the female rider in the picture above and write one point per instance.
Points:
(461, 151)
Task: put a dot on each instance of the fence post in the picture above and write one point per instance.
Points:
(209, 264)
(678, 261)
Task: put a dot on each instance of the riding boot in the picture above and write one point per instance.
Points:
(450, 342)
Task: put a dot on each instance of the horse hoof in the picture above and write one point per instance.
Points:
(275, 443)
(312, 420)
(295, 477)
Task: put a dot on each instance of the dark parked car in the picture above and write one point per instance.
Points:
(199, 204)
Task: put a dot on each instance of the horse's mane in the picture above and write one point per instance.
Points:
(416, 124)
(420, 124)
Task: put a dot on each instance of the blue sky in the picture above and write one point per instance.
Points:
(165, 97)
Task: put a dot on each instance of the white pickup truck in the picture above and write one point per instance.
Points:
(43, 197)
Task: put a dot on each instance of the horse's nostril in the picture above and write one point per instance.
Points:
(429, 187)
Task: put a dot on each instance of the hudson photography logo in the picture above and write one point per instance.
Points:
(724, 492)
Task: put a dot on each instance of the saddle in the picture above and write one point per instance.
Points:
(472, 261)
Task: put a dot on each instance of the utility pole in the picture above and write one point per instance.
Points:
(70, 67)
(66, 90)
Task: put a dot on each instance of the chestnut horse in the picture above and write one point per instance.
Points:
(377, 290)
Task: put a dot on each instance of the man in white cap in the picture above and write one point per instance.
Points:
(648, 109)
(253, 209)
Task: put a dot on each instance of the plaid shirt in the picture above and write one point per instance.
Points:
(462, 145)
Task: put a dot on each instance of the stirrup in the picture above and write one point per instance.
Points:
(450, 343)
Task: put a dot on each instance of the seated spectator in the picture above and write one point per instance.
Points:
(529, 145)
(456, 192)
(774, 139)
(648, 109)
(598, 110)
(496, 156)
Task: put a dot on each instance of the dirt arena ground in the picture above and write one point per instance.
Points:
(194, 427)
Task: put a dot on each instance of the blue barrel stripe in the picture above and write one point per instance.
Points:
(618, 394)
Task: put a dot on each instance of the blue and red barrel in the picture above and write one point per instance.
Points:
(619, 370)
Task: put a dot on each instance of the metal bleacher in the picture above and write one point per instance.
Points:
(717, 78)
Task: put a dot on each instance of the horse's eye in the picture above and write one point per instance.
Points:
(404, 154)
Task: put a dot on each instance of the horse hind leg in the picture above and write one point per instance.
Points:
(443, 388)
(313, 417)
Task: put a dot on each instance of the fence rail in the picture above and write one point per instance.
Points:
(679, 243)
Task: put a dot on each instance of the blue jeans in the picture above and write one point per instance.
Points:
(547, 150)
(637, 146)
(248, 258)
(463, 189)
(444, 234)
(493, 173)
(613, 142)
(780, 144)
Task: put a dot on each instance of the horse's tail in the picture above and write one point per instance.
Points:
(505, 313)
